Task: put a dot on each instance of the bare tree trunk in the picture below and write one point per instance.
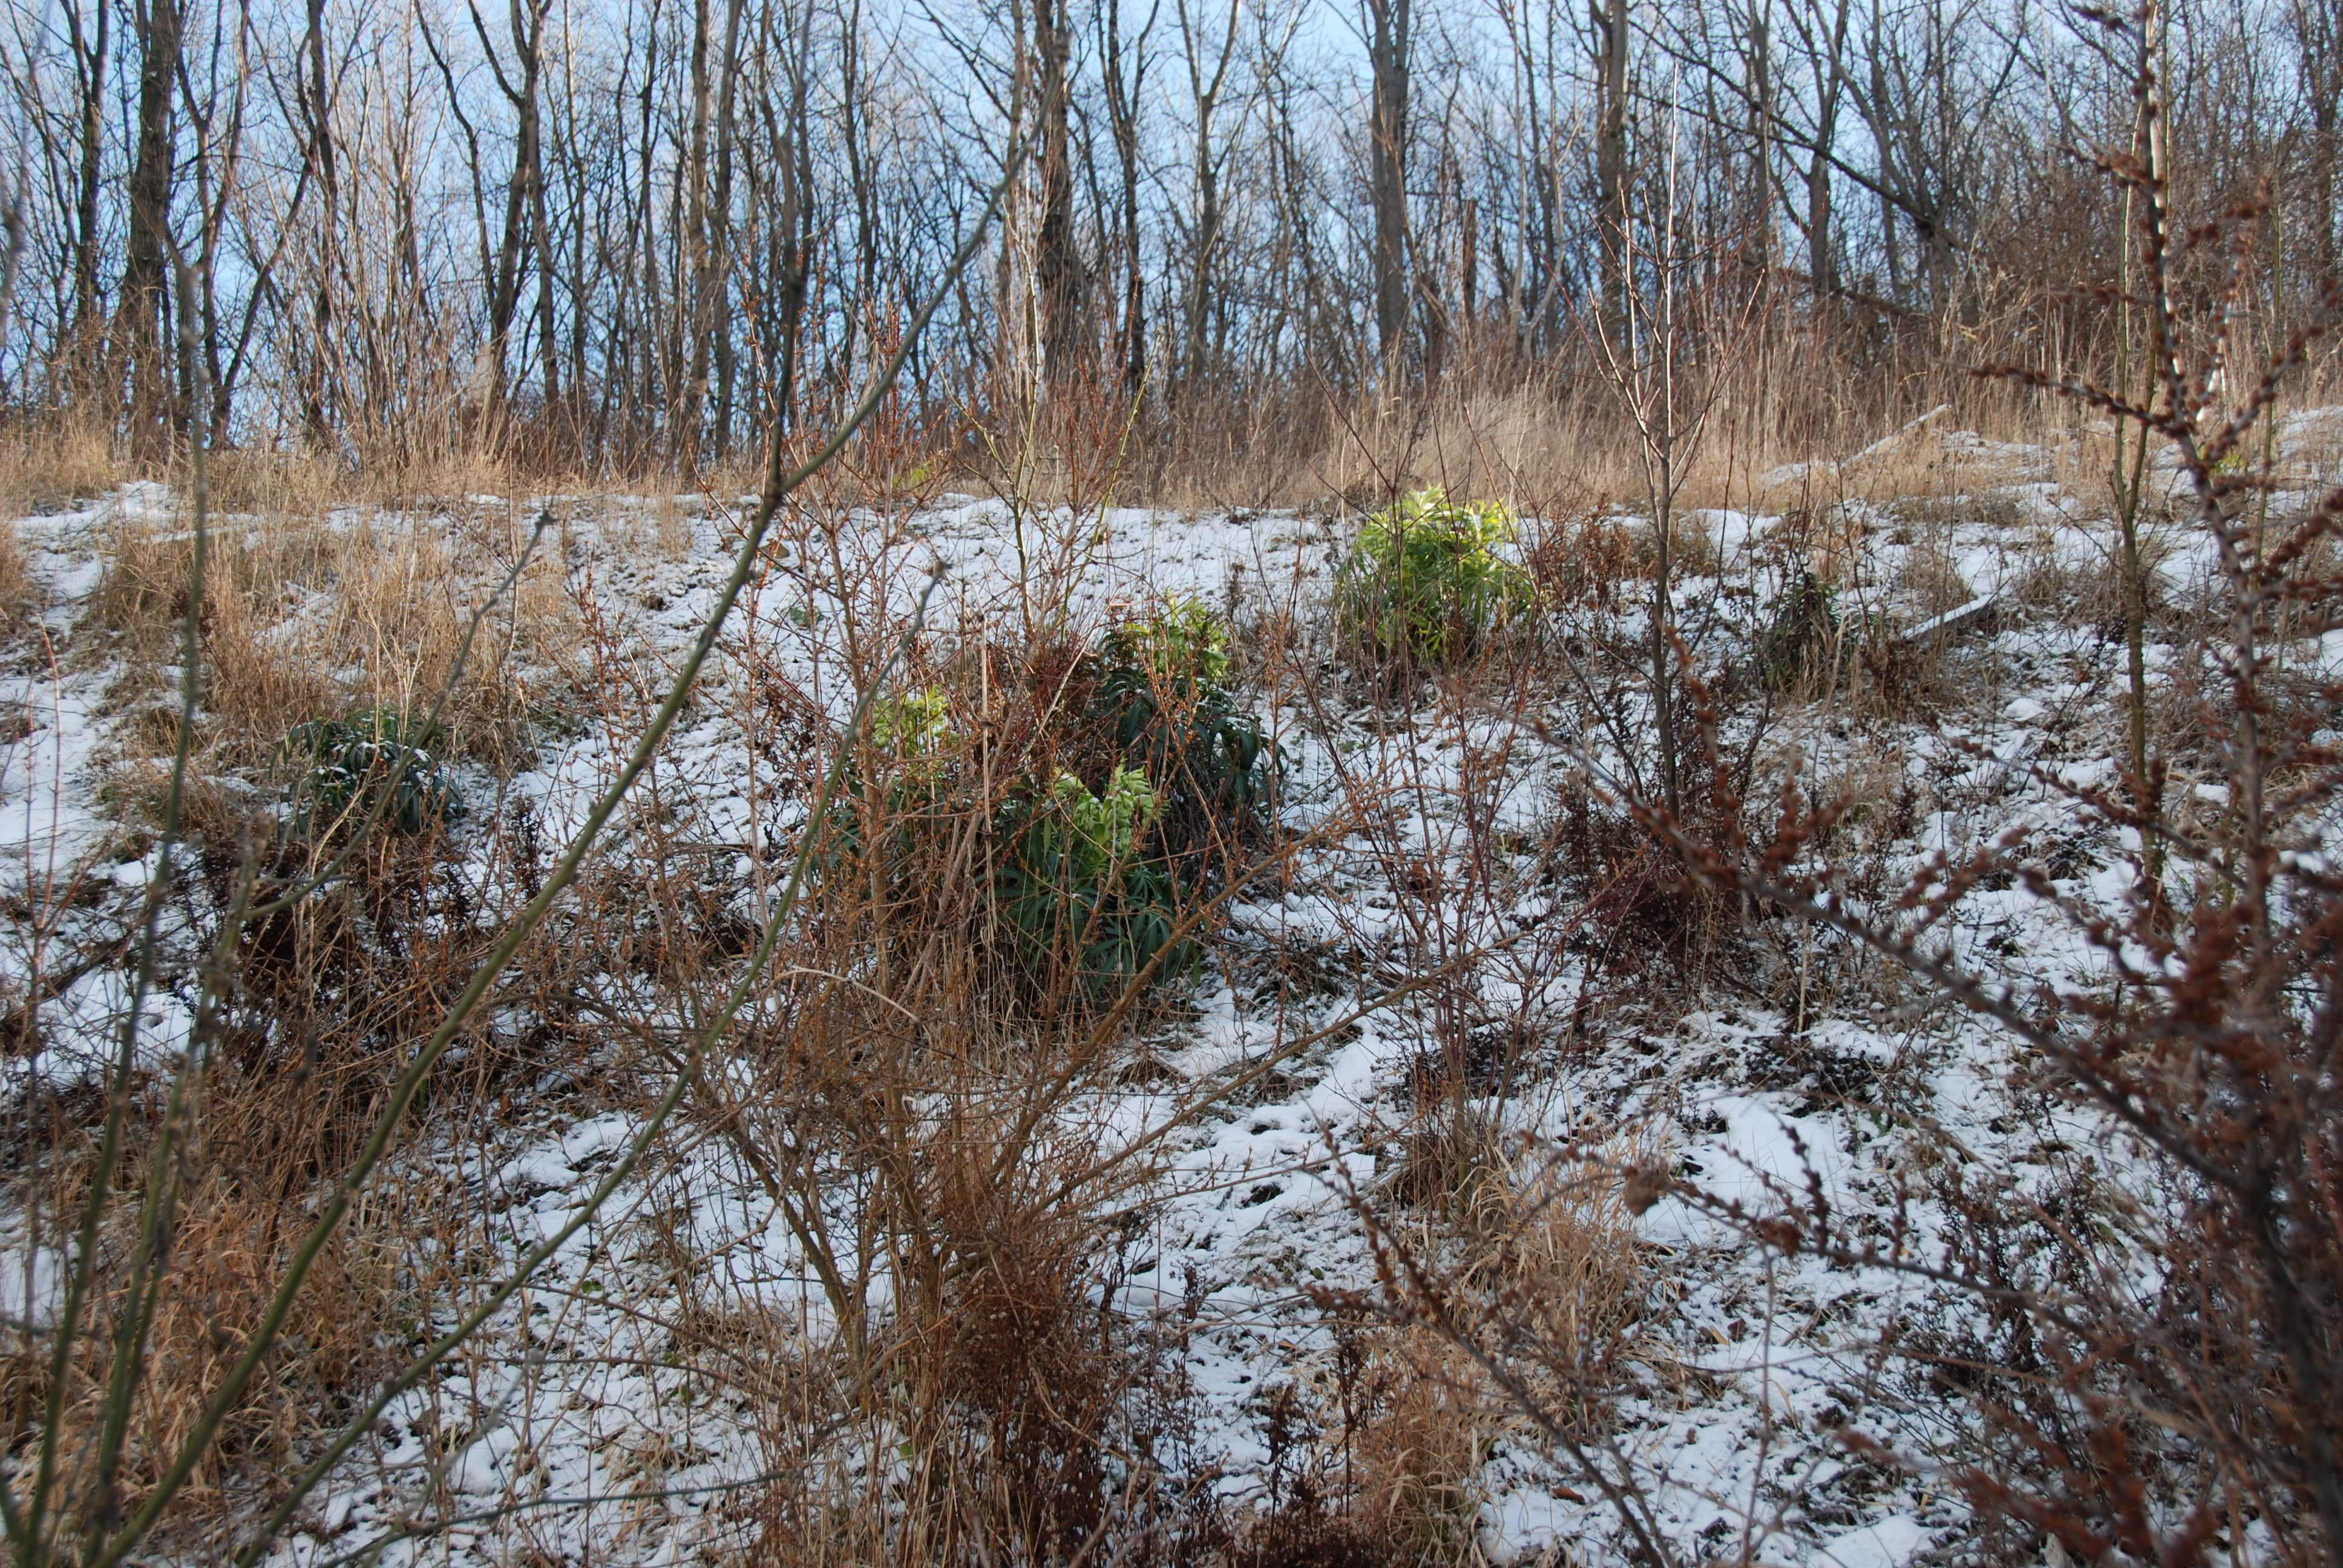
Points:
(523, 201)
(1825, 51)
(1060, 270)
(689, 415)
(216, 149)
(1124, 93)
(1756, 217)
(1207, 79)
(790, 140)
(1543, 286)
(707, 230)
(1611, 191)
(2318, 27)
(862, 185)
(548, 269)
(1389, 30)
(318, 165)
(719, 242)
(89, 49)
(143, 335)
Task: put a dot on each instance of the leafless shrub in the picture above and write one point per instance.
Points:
(1584, 559)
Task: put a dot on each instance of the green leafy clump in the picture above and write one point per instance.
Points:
(909, 765)
(1102, 793)
(1081, 885)
(1427, 582)
(376, 762)
(910, 724)
(1163, 701)
(1182, 647)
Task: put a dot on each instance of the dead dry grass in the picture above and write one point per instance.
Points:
(17, 586)
(304, 619)
(254, 1140)
(1429, 1416)
(50, 464)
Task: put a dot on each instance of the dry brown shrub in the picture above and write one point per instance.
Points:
(1545, 1238)
(1000, 1374)
(327, 993)
(214, 809)
(1827, 540)
(1586, 559)
(244, 1179)
(897, 1073)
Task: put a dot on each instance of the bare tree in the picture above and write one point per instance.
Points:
(1061, 272)
(143, 330)
(1388, 29)
(1610, 39)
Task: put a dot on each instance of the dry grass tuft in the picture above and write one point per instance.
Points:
(49, 465)
(1418, 1450)
(1539, 1254)
(17, 590)
(305, 620)
(1929, 579)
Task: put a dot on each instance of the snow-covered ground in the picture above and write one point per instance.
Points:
(572, 1431)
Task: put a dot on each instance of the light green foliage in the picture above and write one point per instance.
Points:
(1080, 884)
(910, 769)
(1426, 582)
(1182, 647)
(1100, 832)
(913, 724)
(376, 759)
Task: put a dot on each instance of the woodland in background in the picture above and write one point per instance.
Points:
(617, 238)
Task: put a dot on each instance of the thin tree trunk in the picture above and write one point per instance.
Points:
(318, 165)
(1611, 43)
(1122, 96)
(1060, 269)
(90, 54)
(1388, 62)
(688, 415)
(143, 333)
(718, 242)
